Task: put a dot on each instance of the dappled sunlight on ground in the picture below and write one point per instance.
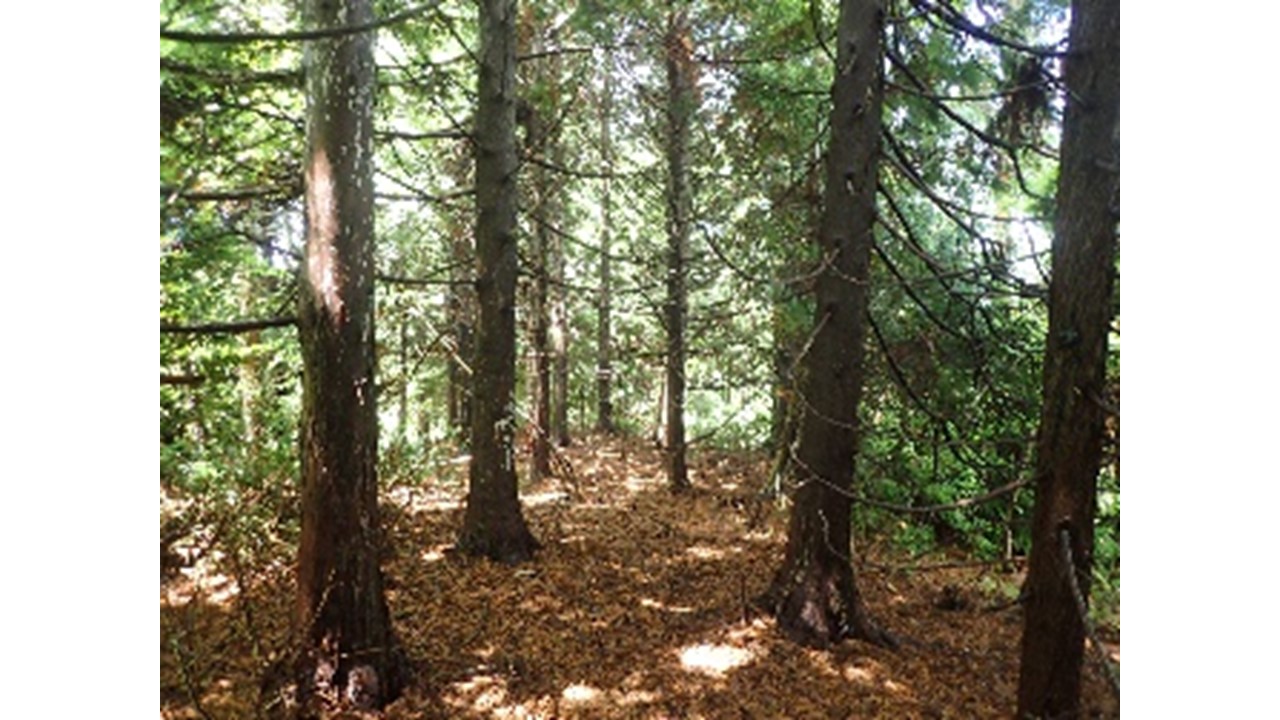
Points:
(639, 605)
(201, 579)
(713, 660)
(545, 497)
(435, 553)
(657, 605)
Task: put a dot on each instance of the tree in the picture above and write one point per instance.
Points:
(555, 266)
(559, 304)
(349, 649)
(493, 525)
(680, 106)
(814, 594)
(604, 299)
(460, 312)
(539, 367)
(1069, 445)
(538, 112)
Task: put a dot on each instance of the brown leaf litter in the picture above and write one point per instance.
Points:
(639, 605)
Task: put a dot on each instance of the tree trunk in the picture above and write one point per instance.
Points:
(540, 368)
(559, 429)
(814, 594)
(402, 413)
(604, 298)
(559, 323)
(680, 106)
(349, 652)
(1069, 445)
(493, 525)
(461, 310)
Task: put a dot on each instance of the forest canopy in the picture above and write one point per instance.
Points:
(486, 324)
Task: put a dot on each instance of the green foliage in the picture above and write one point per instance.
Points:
(951, 397)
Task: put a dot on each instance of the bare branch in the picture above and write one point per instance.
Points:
(282, 192)
(957, 505)
(181, 379)
(957, 20)
(415, 136)
(296, 36)
(419, 282)
(986, 137)
(290, 78)
(228, 328)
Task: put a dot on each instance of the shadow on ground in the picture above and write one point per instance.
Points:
(638, 606)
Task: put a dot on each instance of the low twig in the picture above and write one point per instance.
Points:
(1069, 565)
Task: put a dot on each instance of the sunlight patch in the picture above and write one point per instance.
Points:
(857, 674)
(482, 693)
(578, 692)
(419, 500)
(657, 605)
(544, 498)
(638, 484)
(752, 631)
(702, 552)
(435, 554)
(713, 659)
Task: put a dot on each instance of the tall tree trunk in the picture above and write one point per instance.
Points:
(814, 594)
(493, 525)
(559, 296)
(784, 420)
(1069, 445)
(559, 314)
(461, 311)
(540, 368)
(402, 411)
(348, 648)
(604, 298)
(680, 106)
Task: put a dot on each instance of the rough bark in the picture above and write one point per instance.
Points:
(559, 317)
(680, 106)
(349, 653)
(493, 525)
(1069, 444)
(604, 298)
(814, 594)
(540, 367)
(559, 304)
(462, 318)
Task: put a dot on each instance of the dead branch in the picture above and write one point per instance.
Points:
(227, 328)
(235, 38)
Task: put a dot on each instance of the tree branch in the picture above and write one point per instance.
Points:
(228, 328)
(955, 19)
(296, 36)
(986, 137)
(181, 379)
(415, 136)
(291, 78)
(232, 194)
(957, 505)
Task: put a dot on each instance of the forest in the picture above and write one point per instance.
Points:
(607, 359)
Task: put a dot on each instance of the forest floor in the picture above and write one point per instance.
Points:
(639, 605)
